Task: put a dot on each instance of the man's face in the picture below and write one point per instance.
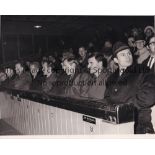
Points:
(68, 67)
(34, 70)
(82, 52)
(93, 65)
(131, 41)
(148, 32)
(152, 44)
(51, 58)
(2, 77)
(134, 32)
(45, 68)
(19, 69)
(9, 72)
(124, 58)
(140, 44)
(108, 44)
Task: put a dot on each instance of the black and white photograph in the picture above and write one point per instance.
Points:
(77, 75)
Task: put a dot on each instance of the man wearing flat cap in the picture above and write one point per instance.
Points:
(131, 84)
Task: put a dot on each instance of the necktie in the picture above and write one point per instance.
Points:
(151, 62)
(153, 68)
(121, 71)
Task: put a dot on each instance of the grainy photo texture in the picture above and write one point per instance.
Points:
(77, 75)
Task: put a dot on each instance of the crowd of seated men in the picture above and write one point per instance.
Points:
(119, 73)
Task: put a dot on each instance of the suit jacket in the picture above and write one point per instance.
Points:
(146, 62)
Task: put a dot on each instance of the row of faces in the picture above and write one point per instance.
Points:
(123, 59)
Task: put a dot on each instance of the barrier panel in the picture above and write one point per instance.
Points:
(33, 113)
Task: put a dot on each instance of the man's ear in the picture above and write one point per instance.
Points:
(116, 60)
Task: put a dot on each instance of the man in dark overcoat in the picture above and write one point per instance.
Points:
(132, 84)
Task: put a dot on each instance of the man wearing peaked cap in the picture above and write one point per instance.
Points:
(131, 84)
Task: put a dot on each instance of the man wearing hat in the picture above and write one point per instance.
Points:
(131, 84)
(150, 61)
(142, 51)
(148, 31)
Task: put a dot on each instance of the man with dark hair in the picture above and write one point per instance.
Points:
(22, 79)
(50, 76)
(97, 66)
(131, 84)
(10, 77)
(83, 58)
(150, 61)
(37, 77)
(131, 44)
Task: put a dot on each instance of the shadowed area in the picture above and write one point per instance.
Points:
(6, 129)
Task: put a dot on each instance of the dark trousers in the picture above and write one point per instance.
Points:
(143, 122)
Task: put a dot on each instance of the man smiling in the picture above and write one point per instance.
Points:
(97, 66)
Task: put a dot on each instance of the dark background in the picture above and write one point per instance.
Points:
(21, 40)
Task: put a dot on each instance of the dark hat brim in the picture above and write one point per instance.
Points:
(119, 50)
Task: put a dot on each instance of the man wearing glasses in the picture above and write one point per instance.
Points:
(151, 60)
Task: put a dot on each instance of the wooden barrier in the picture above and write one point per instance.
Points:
(34, 118)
